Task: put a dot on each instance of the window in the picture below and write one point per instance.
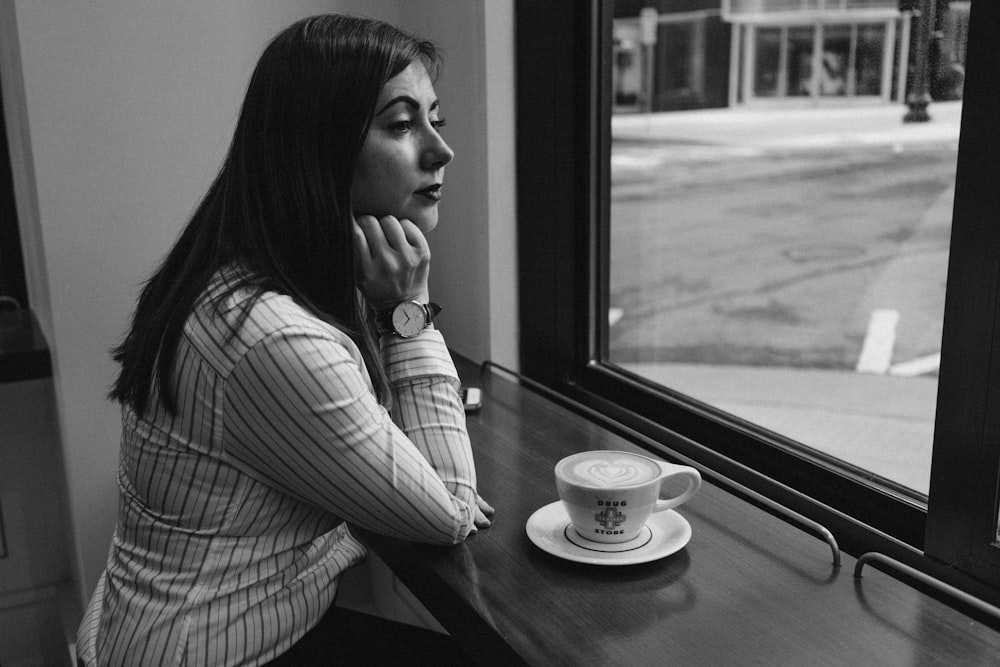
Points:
(648, 314)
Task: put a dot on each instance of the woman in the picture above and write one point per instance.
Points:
(263, 354)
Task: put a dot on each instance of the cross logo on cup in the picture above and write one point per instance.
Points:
(610, 518)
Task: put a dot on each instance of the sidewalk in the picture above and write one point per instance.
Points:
(880, 423)
(777, 127)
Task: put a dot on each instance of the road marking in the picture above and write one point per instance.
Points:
(642, 162)
(915, 367)
(876, 352)
(614, 314)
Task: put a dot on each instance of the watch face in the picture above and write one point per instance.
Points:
(409, 319)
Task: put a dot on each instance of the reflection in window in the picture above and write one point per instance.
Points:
(786, 265)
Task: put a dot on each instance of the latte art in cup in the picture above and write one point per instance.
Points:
(612, 470)
(610, 494)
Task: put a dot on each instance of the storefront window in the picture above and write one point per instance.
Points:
(800, 61)
(835, 61)
(768, 64)
(823, 60)
(868, 59)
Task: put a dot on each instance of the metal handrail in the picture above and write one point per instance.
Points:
(926, 579)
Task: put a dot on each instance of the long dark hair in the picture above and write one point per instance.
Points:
(280, 207)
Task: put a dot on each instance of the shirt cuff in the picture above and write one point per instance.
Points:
(423, 355)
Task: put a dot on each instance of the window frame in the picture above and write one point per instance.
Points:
(962, 513)
(12, 277)
(563, 265)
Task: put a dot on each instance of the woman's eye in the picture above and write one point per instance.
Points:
(402, 126)
(438, 124)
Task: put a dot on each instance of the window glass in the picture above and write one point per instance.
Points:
(675, 78)
(768, 65)
(785, 264)
(868, 59)
(801, 47)
(835, 60)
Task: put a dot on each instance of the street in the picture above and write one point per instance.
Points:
(777, 257)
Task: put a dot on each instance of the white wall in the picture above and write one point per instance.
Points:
(501, 178)
(474, 273)
(124, 115)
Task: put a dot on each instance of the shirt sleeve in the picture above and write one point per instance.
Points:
(300, 416)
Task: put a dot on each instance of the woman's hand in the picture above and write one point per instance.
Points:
(483, 512)
(393, 260)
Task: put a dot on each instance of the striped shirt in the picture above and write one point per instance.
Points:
(232, 514)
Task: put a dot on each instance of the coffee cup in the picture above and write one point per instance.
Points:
(609, 495)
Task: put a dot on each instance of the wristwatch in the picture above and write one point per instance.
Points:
(407, 318)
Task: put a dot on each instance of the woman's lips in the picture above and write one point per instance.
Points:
(432, 192)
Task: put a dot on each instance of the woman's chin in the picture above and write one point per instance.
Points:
(425, 223)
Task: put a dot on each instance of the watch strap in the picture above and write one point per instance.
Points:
(383, 321)
(432, 311)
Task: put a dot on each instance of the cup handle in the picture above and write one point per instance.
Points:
(674, 471)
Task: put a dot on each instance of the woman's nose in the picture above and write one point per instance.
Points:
(437, 152)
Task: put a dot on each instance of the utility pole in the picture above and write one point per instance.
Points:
(919, 96)
(648, 25)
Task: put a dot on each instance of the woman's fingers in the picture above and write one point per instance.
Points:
(414, 236)
(483, 511)
(361, 247)
(391, 233)
(372, 230)
(393, 260)
(394, 235)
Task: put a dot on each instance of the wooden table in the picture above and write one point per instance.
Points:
(749, 588)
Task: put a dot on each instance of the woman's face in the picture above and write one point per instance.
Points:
(401, 169)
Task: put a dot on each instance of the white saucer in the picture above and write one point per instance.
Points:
(549, 528)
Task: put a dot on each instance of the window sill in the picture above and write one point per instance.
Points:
(24, 354)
